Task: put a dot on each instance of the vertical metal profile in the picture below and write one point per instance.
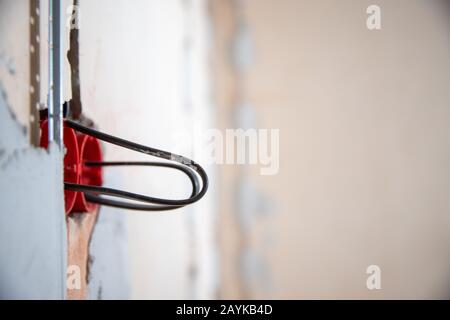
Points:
(35, 71)
(55, 113)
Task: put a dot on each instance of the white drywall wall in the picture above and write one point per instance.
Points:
(32, 220)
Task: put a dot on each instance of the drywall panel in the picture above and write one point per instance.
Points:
(32, 219)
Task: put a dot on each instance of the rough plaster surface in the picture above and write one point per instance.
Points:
(32, 224)
(108, 265)
(14, 56)
(142, 98)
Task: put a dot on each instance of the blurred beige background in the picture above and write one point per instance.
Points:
(365, 146)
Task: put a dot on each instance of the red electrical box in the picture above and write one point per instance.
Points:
(90, 151)
(79, 150)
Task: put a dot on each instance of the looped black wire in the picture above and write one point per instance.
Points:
(189, 167)
(135, 206)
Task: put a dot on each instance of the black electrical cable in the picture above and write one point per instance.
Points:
(136, 206)
(189, 167)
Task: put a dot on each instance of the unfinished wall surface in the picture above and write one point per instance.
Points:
(108, 263)
(32, 221)
(14, 56)
(144, 78)
(364, 141)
